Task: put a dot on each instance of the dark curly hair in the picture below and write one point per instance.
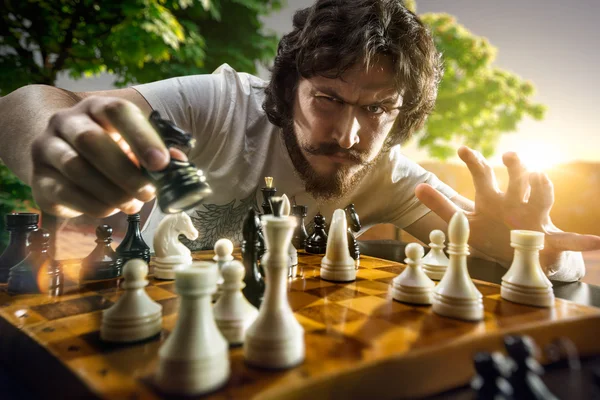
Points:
(334, 35)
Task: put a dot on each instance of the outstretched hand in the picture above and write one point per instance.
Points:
(526, 204)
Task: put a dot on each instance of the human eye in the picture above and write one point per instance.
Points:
(375, 109)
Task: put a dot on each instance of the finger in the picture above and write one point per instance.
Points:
(177, 154)
(91, 141)
(482, 173)
(568, 241)
(435, 201)
(56, 195)
(518, 178)
(542, 192)
(81, 174)
(127, 119)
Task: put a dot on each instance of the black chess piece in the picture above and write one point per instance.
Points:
(255, 284)
(317, 242)
(19, 225)
(354, 226)
(526, 372)
(490, 381)
(102, 263)
(268, 191)
(300, 234)
(133, 246)
(276, 205)
(38, 272)
(180, 186)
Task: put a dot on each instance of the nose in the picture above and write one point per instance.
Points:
(346, 130)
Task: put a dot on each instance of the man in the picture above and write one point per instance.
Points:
(353, 80)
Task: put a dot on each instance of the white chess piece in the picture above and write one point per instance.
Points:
(525, 281)
(170, 253)
(223, 254)
(275, 339)
(233, 313)
(135, 316)
(413, 285)
(456, 295)
(195, 357)
(436, 262)
(337, 265)
(286, 209)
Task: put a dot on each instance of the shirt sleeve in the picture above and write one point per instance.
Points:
(406, 175)
(200, 104)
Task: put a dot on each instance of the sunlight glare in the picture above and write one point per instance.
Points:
(539, 156)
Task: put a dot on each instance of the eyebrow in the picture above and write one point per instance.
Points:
(330, 91)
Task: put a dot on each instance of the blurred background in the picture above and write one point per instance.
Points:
(520, 76)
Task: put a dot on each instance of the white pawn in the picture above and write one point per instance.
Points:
(275, 339)
(456, 295)
(436, 262)
(169, 253)
(338, 265)
(135, 316)
(195, 357)
(233, 313)
(286, 209)
(525, 281)
(223, 254)
(413, 285)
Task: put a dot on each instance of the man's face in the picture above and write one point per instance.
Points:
(340, 125)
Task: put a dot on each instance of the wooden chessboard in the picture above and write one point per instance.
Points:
(359, 342)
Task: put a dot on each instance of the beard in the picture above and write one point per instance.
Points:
(326, 187)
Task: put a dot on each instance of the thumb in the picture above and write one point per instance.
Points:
(568, 241)
(435, 201)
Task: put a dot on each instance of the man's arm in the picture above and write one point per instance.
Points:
(80, 152)
(24, 115)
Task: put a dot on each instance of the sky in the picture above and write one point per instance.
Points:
(553, 43)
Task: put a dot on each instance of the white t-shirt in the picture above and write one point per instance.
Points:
(237, 146)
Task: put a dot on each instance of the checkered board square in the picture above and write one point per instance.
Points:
(359, 342)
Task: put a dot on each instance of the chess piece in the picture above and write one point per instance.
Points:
(412, 285)
(180, 186)
(38, 272)
(490, 381)
(253, 279)
(300, 234)
(19, 225)
(102, 263)
(194, 359)
(223, 249)
(135, 316)
(526, 371)
(268, 191)
(169, 253)
(337, 265)
(233, 313)
(436, 262)
(317, 241)
(525, 281)
(133, 246)
(354, 226)
(285, 212)
(275, 339)
(456, 296)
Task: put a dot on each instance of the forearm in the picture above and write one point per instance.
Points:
(24, 115)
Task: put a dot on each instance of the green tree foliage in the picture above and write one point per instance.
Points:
(137, 40)
(14, 197)
(477, 102)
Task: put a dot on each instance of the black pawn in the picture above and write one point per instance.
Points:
(255, 285)
(317, 242)
(19, 225)
(102, 263)
(300, 234)
(526, 372)
(37, 273)
(133, 246)
(353, 227)
(490, 381)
